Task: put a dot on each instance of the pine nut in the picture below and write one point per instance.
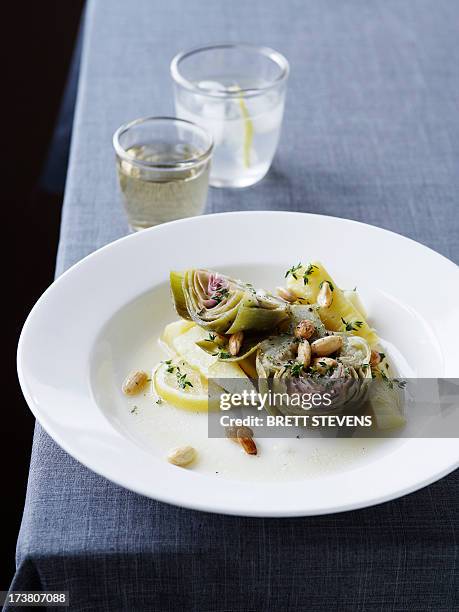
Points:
(326, 346)
(248, 445)
(286, 294)
(235, 343)
(182, 456)
(305, 329)
(135, 382)
(304, 353)
(325, 296)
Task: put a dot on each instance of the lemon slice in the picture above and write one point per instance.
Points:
(248, 132)
(248, 126)
(177, 383)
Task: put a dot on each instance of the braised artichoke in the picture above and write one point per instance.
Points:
(223, 305)
(346, 381)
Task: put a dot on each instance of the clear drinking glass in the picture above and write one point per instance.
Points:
(237, 93)
(163, 169)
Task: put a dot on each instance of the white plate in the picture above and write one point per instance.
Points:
(100, 318)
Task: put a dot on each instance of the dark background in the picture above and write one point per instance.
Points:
(38, 40)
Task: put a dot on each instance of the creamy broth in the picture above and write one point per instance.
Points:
(161, 427)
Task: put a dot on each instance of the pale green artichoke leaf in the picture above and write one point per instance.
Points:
(219, 303)
(178, 294)
(255, 318)
(386, 405)
(249, 345)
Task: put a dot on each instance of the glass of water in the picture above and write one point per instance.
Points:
(163, 169)
(237, 93)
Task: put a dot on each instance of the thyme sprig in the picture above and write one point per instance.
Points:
(222, 354)
(182, 378)
(295, 368)
(220, 294)
(293, 271)
(401, 384)
(351, 325)
(309, 270)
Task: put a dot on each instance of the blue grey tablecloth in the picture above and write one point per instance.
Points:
(370, 133)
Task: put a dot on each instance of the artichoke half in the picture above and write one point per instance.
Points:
(347, 383)
(223, 305)
(347, 388)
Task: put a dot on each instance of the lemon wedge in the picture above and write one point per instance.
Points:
(180, 337)
(173, 330)
(208, 365)
(177, 383)
(342, 314)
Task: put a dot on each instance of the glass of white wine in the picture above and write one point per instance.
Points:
(163, 169)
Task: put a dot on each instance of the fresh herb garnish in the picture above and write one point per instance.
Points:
(170, 368)
(309, 270)
(351, 326)
(220, 294)
(295, 368)
(401, 384)
(221, 354)
(182, 380)
(211, 337)
(322, 368)
(293, 270)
